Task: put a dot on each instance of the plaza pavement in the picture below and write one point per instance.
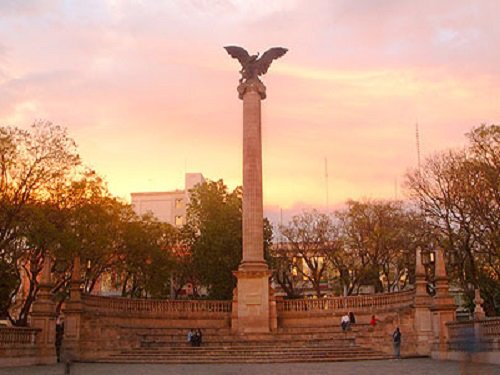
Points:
(400, 367)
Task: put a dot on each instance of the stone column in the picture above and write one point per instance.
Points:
(423, 318)
(252, 292)
(443, 308)
(251, 92)
(478, 309)
(72, 317)
(43, 317)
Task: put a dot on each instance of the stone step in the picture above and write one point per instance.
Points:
(270, 339)
(232, 359)
(227, 331)
(254, 350)
(308, 344)
(283, 344)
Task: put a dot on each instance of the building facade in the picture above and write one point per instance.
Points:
(168, 206)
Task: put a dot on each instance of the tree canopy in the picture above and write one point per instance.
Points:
(459, 193)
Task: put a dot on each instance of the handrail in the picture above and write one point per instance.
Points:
(386, 300)
(154, 306)
(17, 335)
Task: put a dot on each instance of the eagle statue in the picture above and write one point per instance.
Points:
(253, 66)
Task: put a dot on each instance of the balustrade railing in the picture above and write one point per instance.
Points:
(17, 336)
(350, 303)
(474, 335)
(460, 330)
(162, 307)
(490, 327)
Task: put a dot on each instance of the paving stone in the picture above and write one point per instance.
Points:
(422, 366)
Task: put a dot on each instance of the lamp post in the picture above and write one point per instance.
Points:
(428, 261)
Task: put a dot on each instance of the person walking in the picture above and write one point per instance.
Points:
(396, 340)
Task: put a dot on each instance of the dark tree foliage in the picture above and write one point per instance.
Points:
(213, 232)
(213, 235)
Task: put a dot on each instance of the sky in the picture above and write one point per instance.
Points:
(148, 92)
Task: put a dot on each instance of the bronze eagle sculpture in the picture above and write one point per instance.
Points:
(253, 66)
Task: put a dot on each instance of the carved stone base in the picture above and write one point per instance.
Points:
(251, 301)
(43, 317)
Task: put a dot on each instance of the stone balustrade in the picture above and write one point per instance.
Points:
(18, 346)
(351, 303)
(490, 328)
(155, 307)
(460, 330)
(474, 335)
(12, 336)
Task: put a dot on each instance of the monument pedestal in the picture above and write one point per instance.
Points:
(73, 317)
(443, 307)
(43, 317)
(252, 314)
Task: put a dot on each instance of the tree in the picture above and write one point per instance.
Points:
(146, 260)
(9, 284)
(214, 235)
(458, 191)
(379, 239)
(309, 238)
(32, 163)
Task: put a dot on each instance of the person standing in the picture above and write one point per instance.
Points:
(59, 337)
(190, 337)
(396, 340)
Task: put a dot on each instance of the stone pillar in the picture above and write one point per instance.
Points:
(423, 317)
(443, 307)
(72, 317)
(252, 292)
(478, 309)
(252, 92)
(43, 317)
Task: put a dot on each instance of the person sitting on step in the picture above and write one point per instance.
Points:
(197, 338)
(345, 323)
(190, 336)
(352, 318)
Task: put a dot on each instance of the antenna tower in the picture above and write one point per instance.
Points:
(418, 145)
(326, 183)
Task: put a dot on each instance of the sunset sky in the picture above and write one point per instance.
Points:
(148, 92)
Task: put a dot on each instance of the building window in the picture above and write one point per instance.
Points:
(178, 203)
(178, 221)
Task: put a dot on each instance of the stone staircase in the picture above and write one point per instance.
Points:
(169, 345)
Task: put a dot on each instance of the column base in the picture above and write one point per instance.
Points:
(251, 299)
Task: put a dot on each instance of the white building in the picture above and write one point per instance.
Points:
(168, 206)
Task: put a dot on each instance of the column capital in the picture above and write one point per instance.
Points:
(250, 85)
